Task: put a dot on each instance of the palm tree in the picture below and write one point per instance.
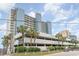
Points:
(22, 30)
(36, 34)
(6, 43)
(32, 33)
(60, 37)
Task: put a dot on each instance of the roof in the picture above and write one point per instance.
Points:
(40, 34)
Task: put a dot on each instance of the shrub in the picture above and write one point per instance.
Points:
(57, 47)
(33, 49)
(51, 48)
(24, 49)
(20, 49)
(62, 47)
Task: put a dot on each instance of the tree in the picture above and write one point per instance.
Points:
(32, 33)
(22, 30)
(60, 37)
(6, 43)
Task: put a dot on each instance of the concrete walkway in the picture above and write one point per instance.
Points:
(70, 53)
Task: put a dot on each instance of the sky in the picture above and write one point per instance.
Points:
(62, 15)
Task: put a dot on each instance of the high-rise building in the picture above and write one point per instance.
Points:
(19, 18)
(11, 27)
(16, 19)
(29, 22)
(46, 27)
(38, 16)
(43, 27)
(49, 27)
(11, 22)
(38, 22)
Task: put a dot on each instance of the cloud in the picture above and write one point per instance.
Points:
(52, 7)
(74, 23)
(73, 26)
(32, 14)
(3, 31)
(58, 12)
(5, 9)
(62, 15)
(0, 15)
(76, 20)
(55, 10)
(6, 6)
(3, 28)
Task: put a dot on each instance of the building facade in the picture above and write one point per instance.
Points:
(15, 20)
(29, 22)
(18, 17)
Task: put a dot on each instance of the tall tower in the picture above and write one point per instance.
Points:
(16, 18)
(29, 22)
(38, 17)
(43, 27)
(46, 27)
(38, 22)
(49, 27)
(11, 27)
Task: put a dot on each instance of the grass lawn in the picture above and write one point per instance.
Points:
(36, 53)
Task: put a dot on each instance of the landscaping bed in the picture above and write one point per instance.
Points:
(34, 51)
(37, 53)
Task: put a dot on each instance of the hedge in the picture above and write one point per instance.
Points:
(20, 49)
(33, 49)
(24, 49)
(51, 48)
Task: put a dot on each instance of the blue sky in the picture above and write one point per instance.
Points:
(66, 14)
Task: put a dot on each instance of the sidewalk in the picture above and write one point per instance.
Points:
(69, 53)
(53, 54)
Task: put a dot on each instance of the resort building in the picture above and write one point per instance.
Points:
(45, 38)
(18, 17)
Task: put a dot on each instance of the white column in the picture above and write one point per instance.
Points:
(36, 44)
(27, 45)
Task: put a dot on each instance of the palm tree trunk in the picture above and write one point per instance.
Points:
(23, 42)
(8, 50)
(62, 43)
(31, 41)
(23, 39)
(35, 39)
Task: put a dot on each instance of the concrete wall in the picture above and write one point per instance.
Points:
(44, 41)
